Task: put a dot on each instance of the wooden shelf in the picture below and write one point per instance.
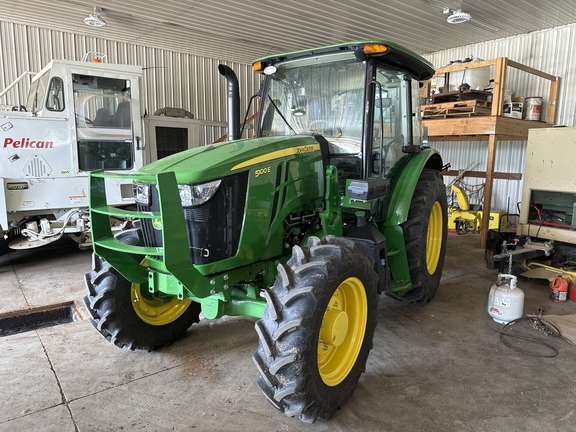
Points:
(478, 128)
(494, 127)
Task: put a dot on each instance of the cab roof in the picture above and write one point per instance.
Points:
(396, 56)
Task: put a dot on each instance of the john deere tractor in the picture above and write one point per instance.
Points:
(333, 202)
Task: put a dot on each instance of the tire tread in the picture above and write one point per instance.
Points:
(287, 347)
(429, 189)
(109, 303)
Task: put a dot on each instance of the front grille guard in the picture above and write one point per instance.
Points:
(172, 258)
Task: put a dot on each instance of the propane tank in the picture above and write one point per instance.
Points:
(506, 300)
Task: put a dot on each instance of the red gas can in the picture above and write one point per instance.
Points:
(559, 289)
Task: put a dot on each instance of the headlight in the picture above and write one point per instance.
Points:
(141, 193)
(193, 195)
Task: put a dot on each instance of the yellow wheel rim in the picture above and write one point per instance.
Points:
(434, 238)
(154, 312)
(342, 331)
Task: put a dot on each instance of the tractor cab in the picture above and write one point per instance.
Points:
(365, 107)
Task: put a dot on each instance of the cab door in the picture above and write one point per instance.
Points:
(105, 126)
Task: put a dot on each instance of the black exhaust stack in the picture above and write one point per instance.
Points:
(233, 102)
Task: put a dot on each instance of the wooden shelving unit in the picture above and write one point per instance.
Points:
(494, 127)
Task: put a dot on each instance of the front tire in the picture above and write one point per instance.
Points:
(425, 236)
(317, 328)
(123, 314)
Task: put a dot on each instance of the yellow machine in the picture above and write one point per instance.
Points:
(464, 219)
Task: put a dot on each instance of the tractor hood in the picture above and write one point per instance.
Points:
(215, 161)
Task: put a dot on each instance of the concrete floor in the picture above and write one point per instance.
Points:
(433, 368)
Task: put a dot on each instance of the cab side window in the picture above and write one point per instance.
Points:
(55, 97)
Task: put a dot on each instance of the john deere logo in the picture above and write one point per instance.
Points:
(305, 149)
(156, 223)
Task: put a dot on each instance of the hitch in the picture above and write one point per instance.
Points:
(529, 250)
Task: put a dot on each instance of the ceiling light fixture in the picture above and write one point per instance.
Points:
(94, 19)
(456, 16)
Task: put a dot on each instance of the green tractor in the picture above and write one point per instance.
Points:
(333, 202)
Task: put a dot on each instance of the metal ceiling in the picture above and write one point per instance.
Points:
(241, 31)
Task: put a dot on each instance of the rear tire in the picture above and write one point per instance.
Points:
(125, 317)
(317, 328)
(425, 236)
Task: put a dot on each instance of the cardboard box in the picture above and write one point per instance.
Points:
(514, 109)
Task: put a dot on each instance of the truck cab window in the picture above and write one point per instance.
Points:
(37, 93)
(103, 122)
(55, 98)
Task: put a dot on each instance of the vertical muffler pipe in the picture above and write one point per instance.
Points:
(233, 102)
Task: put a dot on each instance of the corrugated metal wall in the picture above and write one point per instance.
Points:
(193, 83)
(170, 78)
(551, 51)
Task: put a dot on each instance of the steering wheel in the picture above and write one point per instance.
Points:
(80, 118)
(322, 127)
(385, 149)
(396, 140)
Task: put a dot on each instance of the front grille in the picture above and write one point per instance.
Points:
(37, 167)
(213, 228)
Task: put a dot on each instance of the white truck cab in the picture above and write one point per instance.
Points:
(78, 117)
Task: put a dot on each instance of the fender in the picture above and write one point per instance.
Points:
(398, 207)
(399, 203)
